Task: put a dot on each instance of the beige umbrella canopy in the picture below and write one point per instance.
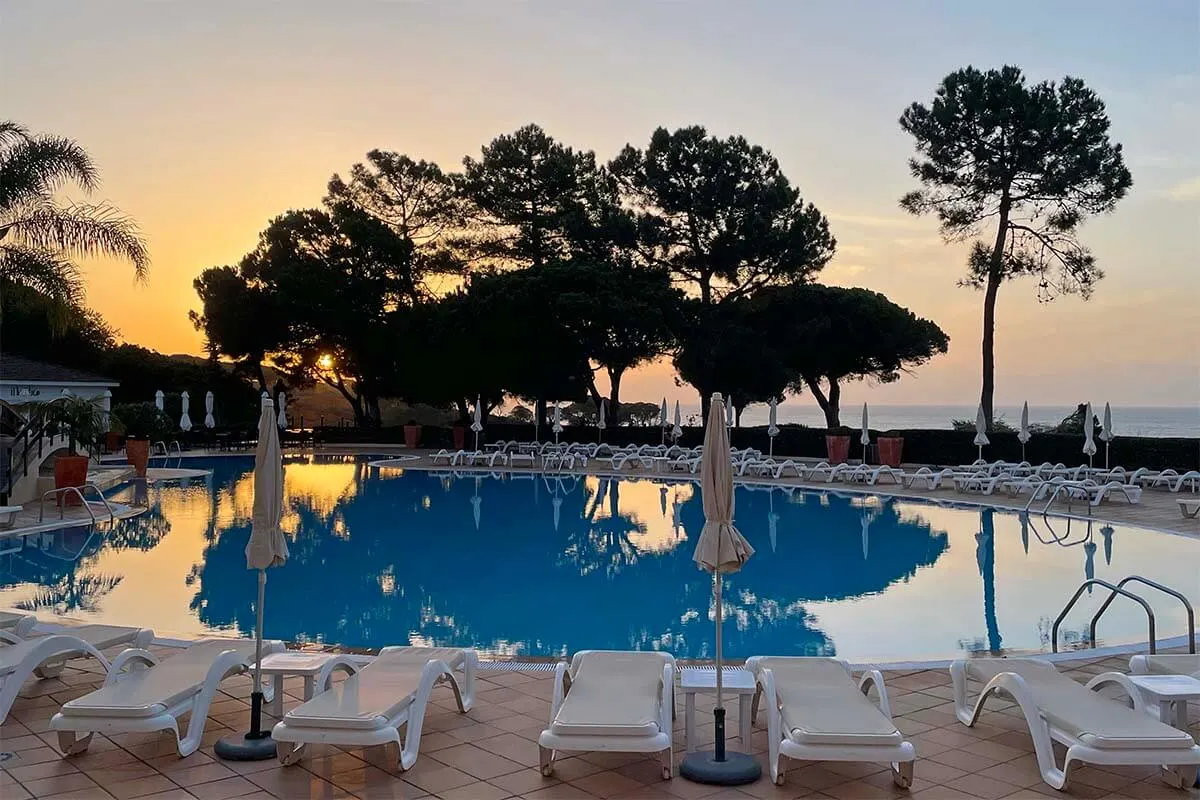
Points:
(721, 549)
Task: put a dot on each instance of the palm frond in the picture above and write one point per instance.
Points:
(37, 166)
(12, 131)
(42, 270)
(83, 230)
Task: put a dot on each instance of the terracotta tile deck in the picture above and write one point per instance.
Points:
(491, 753)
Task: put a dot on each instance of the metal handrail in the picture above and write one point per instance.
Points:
(165, 452)
(1116, 590)
(112, 514)
(1191, 615)
(178, 449)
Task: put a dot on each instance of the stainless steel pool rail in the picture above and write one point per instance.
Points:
(1119, 589)
(78, 492)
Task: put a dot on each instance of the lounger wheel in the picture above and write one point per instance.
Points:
(546, 759)
(72, 744)
(902, 774)
(50, 669)
(289, 753)
(1180, 777)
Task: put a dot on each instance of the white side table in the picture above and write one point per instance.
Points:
(734, 682)
(305, 665)
(1168, 691)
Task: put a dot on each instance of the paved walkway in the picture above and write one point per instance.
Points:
(491, 753)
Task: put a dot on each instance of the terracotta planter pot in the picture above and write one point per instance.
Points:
(837, 449)
(70, 471)
(460, 436)
(137, 453)
(112, 441)
(890, 450)
(412, 436)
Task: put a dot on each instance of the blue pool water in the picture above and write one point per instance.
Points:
(545, 566)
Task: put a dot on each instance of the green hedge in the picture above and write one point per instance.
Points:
(939, 447)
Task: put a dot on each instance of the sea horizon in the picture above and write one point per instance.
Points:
(1181, 421)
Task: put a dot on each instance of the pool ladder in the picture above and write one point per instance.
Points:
(1119, 589)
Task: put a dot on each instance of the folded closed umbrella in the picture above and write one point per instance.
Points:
(283, 420)
(981, 438)
(557, 426)
(209, 420)
(729, 412)
(721, 549)
(602, 424)
(865, 438)
(677, 430)
(1023, 435)
(266, 548)
(1106, 432)
(185, 420)
(158, 399)
(477, 422)
(662, 420)
(1089, 429)
(772, 425)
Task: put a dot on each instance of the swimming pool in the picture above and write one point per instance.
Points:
(544, 565)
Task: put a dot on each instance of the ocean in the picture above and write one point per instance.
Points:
(1127, 420)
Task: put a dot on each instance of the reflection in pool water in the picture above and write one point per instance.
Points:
(546, 565)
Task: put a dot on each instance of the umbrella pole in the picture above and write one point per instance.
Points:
(720, 768)
(1106, 455)
(771, 449)
(719, 711)
(256, 697)
(257, 744)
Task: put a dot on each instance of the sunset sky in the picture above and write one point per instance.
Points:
(209, 118)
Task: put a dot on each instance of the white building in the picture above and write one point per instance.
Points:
(25, 381)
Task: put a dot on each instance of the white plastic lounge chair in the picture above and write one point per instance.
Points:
(611, 701)
(984, 484)
(447, 455)
(154, 695)
(45, 656)
(1189, 509)
(1166, 664)
(370, 707)
(17, 623)
(864, 473)
(1191, 478)
(815, 712)
(927, 476)
(1095, 729)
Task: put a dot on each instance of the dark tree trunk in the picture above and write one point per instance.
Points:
(829, 403)
(464, 412)
(995, 276)
(612, 417)
(539, 412)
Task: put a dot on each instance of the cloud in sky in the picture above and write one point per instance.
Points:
(1185, 191)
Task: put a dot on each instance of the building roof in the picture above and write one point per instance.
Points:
(15, 369)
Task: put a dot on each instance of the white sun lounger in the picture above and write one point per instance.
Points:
(1095, 729)
(927, 476)
(1166, 664)
(1189, 509)
(611, 701)
(17, 623)
(984, 484)
(154, 695)
(45, 656)
(371, 706)
(815, 712)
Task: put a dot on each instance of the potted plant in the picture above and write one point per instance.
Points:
(84, 423)
(412, 434)
(143, 424)
(891, 449)
(837, 445)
